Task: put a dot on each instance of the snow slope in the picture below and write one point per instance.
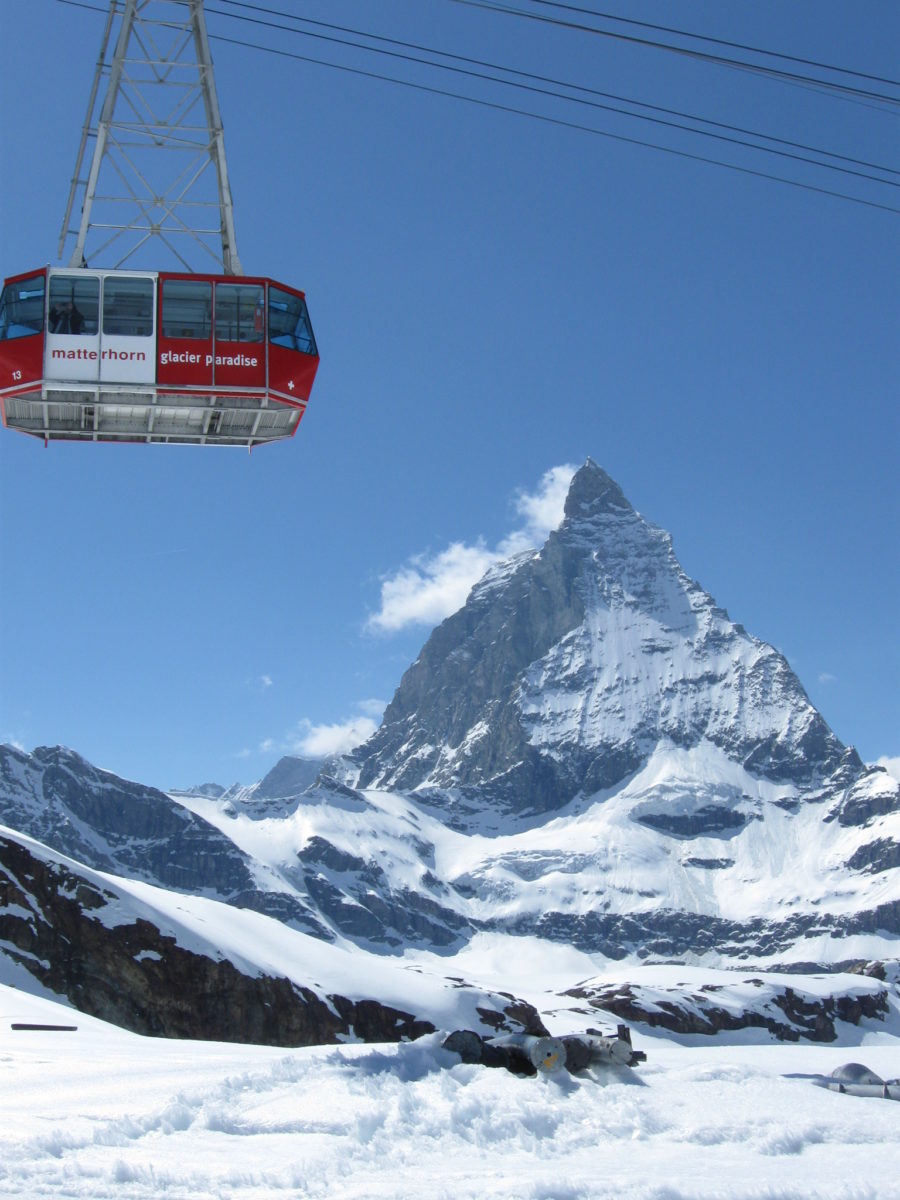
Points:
(155, 922)
(694, 854)
(100, 1114)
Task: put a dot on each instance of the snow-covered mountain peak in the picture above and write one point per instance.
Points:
(565, 668)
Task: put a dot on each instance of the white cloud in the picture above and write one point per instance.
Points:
(320, 741)
(431, 587)
(827, 677)
(542, 510)
(259, 683)
(890, 764)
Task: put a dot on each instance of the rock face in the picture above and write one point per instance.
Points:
(566, 667)
(289, 778)
(787, 1012)
(112, 824)
(87, 941)
(57, 797)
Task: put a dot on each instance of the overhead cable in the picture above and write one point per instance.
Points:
(721, 60)
(617, 137)
(533, 88)
(701, 37)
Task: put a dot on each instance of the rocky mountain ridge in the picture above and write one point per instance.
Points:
(129, 956)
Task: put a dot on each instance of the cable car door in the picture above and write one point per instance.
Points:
(185, 347)
(126, 341)
(240, 360)
(72, 344)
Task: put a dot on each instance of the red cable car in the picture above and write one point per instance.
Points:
(125, 355)
(144, 356)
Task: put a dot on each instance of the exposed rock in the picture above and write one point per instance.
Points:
(78, 939)
(669, 934)
(872, 794)
(289, 778)
(112, 824)
(712, 820)
(881, 855)
(786, 1013)
(210, 791)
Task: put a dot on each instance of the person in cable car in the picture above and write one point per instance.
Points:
(66, 319)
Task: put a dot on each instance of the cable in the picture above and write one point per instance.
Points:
(790, 76)
(545, 118)
(421, 87)
(544, 92)
(700, 37)
(544, 79)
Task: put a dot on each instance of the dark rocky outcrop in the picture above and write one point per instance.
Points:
(357, 898)
(859, 805)
(112, 824)
(788, 1014)
(712, 820)
(78, 939)
(289, 778)
(874, 857)
(671, 934)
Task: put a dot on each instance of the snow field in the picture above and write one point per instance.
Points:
(782, 865)
(101, 1113)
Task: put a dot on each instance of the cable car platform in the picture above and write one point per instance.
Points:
(130, 416)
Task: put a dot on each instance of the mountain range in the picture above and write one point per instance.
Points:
(589, 762)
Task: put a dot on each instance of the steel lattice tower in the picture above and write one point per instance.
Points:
(158, 171)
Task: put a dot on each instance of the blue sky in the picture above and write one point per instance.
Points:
(495, 298)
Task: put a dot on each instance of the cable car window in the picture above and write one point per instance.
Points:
(74, 304)
(22, 308)
(289, 322)
(239, 312)
(187, 308)
(127, 306)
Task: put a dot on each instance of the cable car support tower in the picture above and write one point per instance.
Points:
(159, 134)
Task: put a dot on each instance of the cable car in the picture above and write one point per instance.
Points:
(144, 356)
(118, 354)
